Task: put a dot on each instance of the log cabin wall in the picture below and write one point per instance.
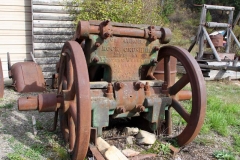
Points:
(51, 27)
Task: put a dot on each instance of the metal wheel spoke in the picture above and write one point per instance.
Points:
(72, 132)
(167, 69)
(181, 111)
(182, 82)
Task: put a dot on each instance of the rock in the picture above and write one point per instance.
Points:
(130, 152)
(144, 137)
(129, 140)
(131, 131)
(102, 145)
(177, 158)
(114, 154)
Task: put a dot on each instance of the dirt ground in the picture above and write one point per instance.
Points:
(16, 128)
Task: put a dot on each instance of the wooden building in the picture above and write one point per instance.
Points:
(37, 26)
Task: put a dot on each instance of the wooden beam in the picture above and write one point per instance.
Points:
(48, 60)
(48, 67)
(46, 53)
(51, 38)
(48, 2)
(53, 24)
(53, 31)
(45, 46)
(49, 9)
(52, 16)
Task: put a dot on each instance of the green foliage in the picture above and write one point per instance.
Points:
(159, 148)
(208, 17)
(135, 11)
(223, 155)
(7, 106)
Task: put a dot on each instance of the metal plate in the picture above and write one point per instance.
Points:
(27, 77)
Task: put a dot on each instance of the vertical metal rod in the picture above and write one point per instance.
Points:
(211, 44)
(200, 32)
(235, 38)
(167, 70)
(230, 21)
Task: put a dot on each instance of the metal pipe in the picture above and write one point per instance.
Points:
(211, 44)
(215, 24)
(235, 38)
(224, 8)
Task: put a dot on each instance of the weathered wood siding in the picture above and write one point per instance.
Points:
(52, 26)
(15, 31)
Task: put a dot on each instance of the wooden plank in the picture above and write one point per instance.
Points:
(49, 9)
(15, 32)
(48, 74)
(54, 3)
(48, 2)
(53, 24)
(15, 9)
(48, 60)
(222, 74)
(51, 38)
(46, 46)
(15, 49)
(48, 67)
(16, 25)
(52, 16)
(9, 40)
(15, 3)
(53, 31)
(15, 16)
(46, 53)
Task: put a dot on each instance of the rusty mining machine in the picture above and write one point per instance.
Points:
(109, 71)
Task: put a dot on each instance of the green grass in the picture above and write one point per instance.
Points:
(224, 155)
(7, 106)
(222, 117)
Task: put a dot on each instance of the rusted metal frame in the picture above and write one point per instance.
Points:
(200, 35)
(1, 80)
(124, 25)
(215, 24)
(211, 44)
(222, 67)
(235, 38)
(230, 21)
(224, 8)
(85, 29)
(236, 20)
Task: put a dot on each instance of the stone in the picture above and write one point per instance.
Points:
(130, 153)
(130, 131)
(102, 145)
(114, 154)
(144, 137)
(129, 140)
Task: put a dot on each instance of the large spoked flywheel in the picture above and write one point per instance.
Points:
(194, 117)
(75, 112)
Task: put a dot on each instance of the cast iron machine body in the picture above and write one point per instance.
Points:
(107, 72)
